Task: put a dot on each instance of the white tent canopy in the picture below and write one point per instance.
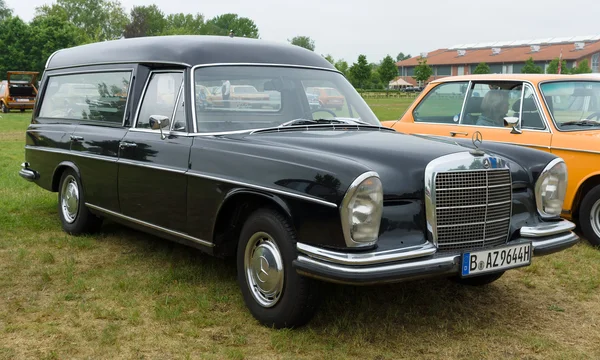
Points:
(399, 82)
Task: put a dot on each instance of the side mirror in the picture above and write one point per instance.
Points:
(514, 122)
(158, 122)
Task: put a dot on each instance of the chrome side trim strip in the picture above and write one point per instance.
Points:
(73, 153)
(151, 166)
(548, 229)
(368, 258)
(575, 150)
(259, 187)
(152, 226)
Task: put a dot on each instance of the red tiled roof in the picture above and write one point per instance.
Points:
(507, 55)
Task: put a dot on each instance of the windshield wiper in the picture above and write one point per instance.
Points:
(584, 122)
(313, 122)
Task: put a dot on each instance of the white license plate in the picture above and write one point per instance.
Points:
(23, 100)
(497, 259)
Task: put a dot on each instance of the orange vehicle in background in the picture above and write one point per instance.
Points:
(328, 97)
(18, 91)
(555, 113)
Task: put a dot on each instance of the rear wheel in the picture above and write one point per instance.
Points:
(480, 280)
(589, 216)
(4, 108)
(276, 295)
(75, 217)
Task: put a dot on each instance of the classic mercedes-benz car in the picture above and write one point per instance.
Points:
(297, 195)
(555, 113)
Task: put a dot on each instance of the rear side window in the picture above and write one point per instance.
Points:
(442, 105)
(98, 96)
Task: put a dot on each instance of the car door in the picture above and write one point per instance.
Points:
(438, 111)
(153, 162)
(100, 102)
(487, 105)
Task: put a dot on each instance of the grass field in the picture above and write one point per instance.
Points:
(123, 294)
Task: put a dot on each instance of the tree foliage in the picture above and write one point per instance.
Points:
(329, 58)
(303, 41)
(145, 21)
(553, 67)
(422, 71)
(582, 68)
(223, 24)
(342, 67)
(482, 68)
(531, 68)
(360, 72)
(5, 11)
(401, 56)
(387, 70)
(184, 24)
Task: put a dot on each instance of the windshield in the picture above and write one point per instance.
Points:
(281, 98)
(574, 105)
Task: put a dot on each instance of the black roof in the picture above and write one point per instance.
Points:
(188, 50)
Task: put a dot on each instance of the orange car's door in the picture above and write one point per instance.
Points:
(436, 113)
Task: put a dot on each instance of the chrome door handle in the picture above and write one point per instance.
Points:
(76, 138)
(125, 144)
(454, 133)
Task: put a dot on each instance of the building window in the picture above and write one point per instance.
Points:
(595, 59)
(461, 70)
(507, 69)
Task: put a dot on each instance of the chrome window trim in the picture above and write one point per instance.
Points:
(143, 95)
(179, 94)
(343, 210)
(150, 225)
(193, 79)
(539, 88)
(48, 77)
(263, 188)
(367, 258)
(121, 62)
(462, 108)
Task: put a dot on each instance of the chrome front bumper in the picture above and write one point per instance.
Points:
(28, 174)
(418, 261)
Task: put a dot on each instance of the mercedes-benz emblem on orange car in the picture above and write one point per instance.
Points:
(477, 139)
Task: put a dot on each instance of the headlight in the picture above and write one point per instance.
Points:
(550, 189)
(361, 210)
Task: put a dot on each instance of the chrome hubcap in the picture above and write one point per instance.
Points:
(595, 217)
(263, 266)
(69, 199)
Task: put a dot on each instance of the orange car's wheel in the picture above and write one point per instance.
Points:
(4, 108)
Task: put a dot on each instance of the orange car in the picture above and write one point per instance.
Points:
(555, 113)
(18, 91)
(328, 97)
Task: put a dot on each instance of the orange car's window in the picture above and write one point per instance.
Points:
(442, 104)
(530, 112)
(488, 103)
(574, 105)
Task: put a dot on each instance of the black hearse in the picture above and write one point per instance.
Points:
(211, 142)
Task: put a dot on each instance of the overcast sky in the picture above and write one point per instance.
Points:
(347, 28)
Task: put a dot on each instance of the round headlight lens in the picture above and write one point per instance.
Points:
(550, 189)
(362, 211)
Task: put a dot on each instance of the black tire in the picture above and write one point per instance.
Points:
(22, 110)
(4, 108)
(299, 295)
(480, 280)
(589, 216)
(82, 220)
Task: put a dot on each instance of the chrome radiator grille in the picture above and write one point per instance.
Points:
(472, 208)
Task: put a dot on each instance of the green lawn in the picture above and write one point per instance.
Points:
(123, 294)
(389, 108)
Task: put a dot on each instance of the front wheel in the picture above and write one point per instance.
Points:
(4, 108)
(589, 216)
(480, 280)
(75, 217)
(276, 295)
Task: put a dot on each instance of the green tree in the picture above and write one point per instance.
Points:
(401, 56)
(145, 21)
(223, 24)
(303, 41)
(582, 68)
(387, 70)
(14, 35)
(342, 66)
(184, 24)
(360, 72)
(5, 11)
(329, 58)
(49, 34)
(531, 68)
(99, 19)
(553, 67)
(482, 68)
(422, 71)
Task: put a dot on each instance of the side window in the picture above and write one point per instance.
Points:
(530, 115)
(160, 97)
(2, 87)
(179, 122)
(488, 104)
(442, 104)
(92, 96)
